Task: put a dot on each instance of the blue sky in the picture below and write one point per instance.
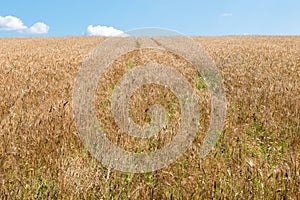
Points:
(190, 17)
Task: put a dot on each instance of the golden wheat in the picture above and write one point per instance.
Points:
(257, 156)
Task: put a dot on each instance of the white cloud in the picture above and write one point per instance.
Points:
(11, 23)
(226, 14)
(104, 31)
(38, 28)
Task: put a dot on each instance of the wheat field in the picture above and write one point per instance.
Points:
(256, 157)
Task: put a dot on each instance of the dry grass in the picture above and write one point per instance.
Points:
(257, 156)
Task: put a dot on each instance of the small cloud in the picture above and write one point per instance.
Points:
(226, 14)
(38, 28)
(11, 23)
(104, 31)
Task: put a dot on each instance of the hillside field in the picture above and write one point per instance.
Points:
(257, 155)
